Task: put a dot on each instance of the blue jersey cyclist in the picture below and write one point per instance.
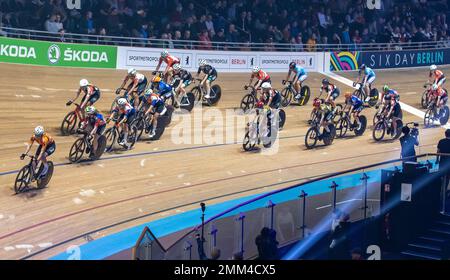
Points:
(156, 107)
(354, 106)
(162, 89)
(367, 77)
(300, 75)
(126, 114)
(95, 125)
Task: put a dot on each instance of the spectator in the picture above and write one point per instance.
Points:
(267, 244)
(88, 24)
(407, 142)
(62, 37)
(444, 161)
(339, 248)
(233, 34)
(311, 43)
(205, 42)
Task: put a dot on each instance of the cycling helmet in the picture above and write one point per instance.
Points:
(121, 101)
(156, 79)
(385, 88)
(325, 82)
(38, 131)
(434, 87)
(202, 62)
(387, 97)
(176, 66)
(148, 92)
(347, 95)
(90, 110)
(317, 102)
(164, 53)
(292, 65)
(255, 69)
(132, 72)
(266, 85)
(83, 82)
(433, 67)
(363, 66)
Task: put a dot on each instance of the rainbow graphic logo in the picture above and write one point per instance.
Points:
(344, 61)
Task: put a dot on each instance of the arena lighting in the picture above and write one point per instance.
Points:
(324, 225)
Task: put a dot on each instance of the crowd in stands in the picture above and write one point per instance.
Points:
(298, 22)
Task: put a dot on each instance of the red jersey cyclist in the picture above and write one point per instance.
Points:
(46, 147)
(170, 60)
(441, 97)
(259, 74)
(95, 125)
(436, 77)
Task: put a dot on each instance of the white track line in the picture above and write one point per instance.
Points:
(406, 107)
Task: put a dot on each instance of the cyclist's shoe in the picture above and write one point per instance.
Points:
(22, 156)
(207, 96)
(123, 142)
(367, 99)
(320, 136)
(297, 96)
(309, 121)
(152, 134)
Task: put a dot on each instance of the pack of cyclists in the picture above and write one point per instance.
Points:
(174, 79)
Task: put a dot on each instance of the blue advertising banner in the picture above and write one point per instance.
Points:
(398, 59)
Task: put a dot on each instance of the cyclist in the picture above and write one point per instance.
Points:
(391, 92)
(126, 116)
(210, 75)
(91, 95)
(326, 115)
(95, 125)
(46, 147)
(353, 106)
(137, 85)
(261, 75)
(163, 89)
(185, 79)
(367, 77)
(316, 106)
(441, 97)
(156, 106)
(300, 76)
(393, 112)
(271, 99)
(436, 77)
(332, 91)
(170, 60)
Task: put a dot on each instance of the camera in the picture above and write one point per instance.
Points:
(414, 130)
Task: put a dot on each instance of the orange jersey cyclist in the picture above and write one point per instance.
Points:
(46, 147)
(436, 76)
(169, 60)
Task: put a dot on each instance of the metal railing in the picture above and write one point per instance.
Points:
(295, 218)
(195, 44)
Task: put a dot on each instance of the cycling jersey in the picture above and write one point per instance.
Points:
(208, 70)
(437, 74)
(44, 140)
(170, 60)
(368, 72)
(262, 76)
(184, 76)
(92, 92)
(299, 70)
(163, 88)
(276, 98)
(127, 110)
(333, 90)
(392, 94)
(96, 120)
(356, 103)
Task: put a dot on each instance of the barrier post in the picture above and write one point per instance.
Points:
(241, 220)
(364, 180)
(303, 196)
(188, 249)
(443, 193)
(333, 187)
(271, 205)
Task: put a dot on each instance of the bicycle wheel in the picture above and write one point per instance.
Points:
(379, 130)
(68, 124)
(398, 133)
(286, 97)
(216, 93)
(306, 94)
(424, 100)
(360, 94)
(328, 137)
(23, 179)
(373, 97)
(187, 102)
(363, 121)
(281, 118)
(132, 136)
(428, 119)
(101, 146)
(341, 127)
(247, 102)
(337, 113)
(311, 137)
(110, 135)
(77, 150)
(249, 141)
(444, 115)
(42, 183)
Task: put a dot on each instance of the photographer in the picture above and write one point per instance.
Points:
(408, 141)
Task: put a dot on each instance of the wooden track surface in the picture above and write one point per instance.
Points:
(82, 197)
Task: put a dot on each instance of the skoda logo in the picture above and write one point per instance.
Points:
(53, 54)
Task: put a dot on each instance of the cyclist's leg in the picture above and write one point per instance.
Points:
(208, 88)
(48, 151)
